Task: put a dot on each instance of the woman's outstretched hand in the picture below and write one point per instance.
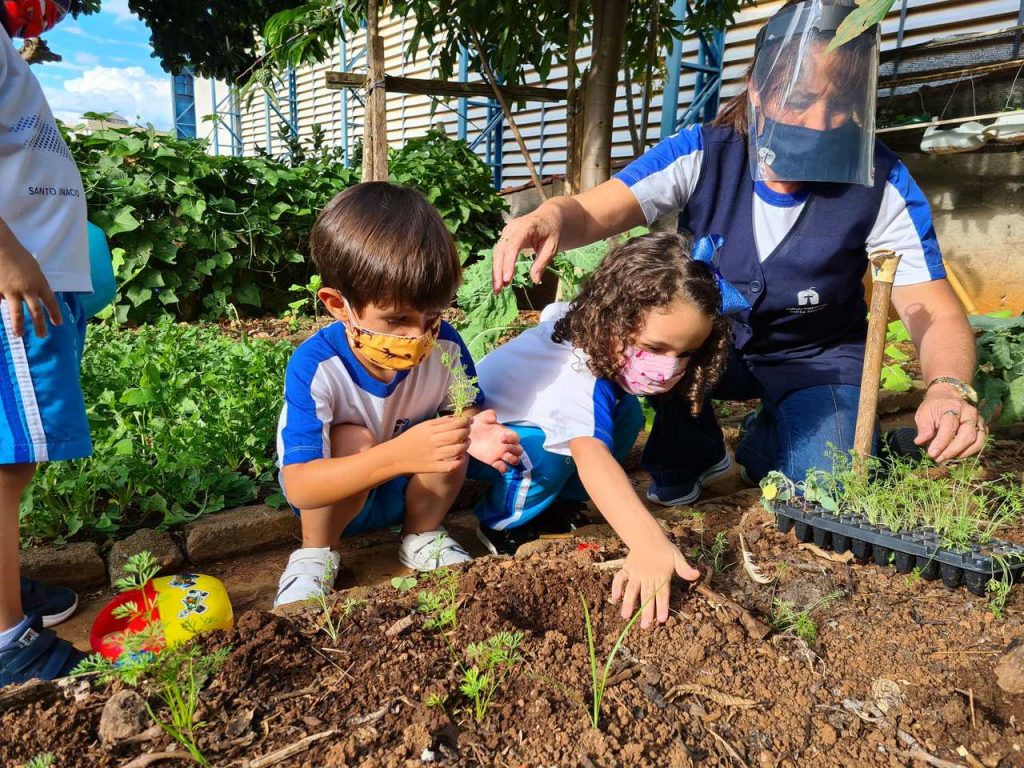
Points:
(539, 231)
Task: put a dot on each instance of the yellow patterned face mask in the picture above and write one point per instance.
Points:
(385, 350)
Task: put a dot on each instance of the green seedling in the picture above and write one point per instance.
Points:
(599, 676)
(436, 701)
(403, 583)
(493, 661)
(320, 601)
(462, 388)
(350, 605)
(42, 760)
(440, 605)
(912, 578)
(786, 617)
(999, 591)
(712, 556)
(776, 488)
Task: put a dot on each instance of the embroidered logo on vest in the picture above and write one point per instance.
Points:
(807, 301)
(809, 296)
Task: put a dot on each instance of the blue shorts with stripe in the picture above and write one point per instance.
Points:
(40, 392)
(384, 508)
(542, 477)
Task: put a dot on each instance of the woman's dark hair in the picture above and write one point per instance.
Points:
(384, 243)
(646, 273)
(782, 63)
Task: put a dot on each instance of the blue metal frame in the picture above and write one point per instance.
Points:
(183, 104)
(707, 83)
(227, 106)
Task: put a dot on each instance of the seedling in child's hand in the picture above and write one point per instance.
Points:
(462, 388)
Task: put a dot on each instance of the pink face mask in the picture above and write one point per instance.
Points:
(646, 373)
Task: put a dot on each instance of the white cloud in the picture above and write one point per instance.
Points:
(119, 10)
(87, 59)
(130, 91)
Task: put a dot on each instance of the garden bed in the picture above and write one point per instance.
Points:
(896, 665)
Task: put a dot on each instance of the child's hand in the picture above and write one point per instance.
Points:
(21, 280)
(648, 570)
(493, 444)
(437, 445)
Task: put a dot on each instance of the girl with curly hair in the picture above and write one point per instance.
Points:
(648, 322)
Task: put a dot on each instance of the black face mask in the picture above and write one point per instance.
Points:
(796, 153)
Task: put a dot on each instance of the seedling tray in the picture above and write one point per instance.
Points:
(906, 551)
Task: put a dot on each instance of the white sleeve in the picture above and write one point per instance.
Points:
(664, 178)
(904, 225)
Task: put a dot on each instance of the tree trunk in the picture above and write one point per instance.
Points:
(572, 154)
(375, 125)
(602, 82)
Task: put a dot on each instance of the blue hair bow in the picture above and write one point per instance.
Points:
(704, 250)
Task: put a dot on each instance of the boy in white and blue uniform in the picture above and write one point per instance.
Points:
(360, 444)
(44, 272)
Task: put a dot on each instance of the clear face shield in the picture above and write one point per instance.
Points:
(812, 112)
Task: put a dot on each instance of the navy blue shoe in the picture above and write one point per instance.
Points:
(53, 604)
(677, 497)
(37, 654)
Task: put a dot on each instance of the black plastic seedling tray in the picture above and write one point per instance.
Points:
(905, 551)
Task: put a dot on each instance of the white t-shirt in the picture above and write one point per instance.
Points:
(325, 384)
(41, 195)
(535, 381)
(665, 177)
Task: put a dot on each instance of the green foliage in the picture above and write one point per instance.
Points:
(894, 378)
(140, 568)
(866, 15)
(192, 234)
(183, 423)
(403, 583)
(785, 617)
(42, 760)
(1000, 376)
(440, 605)
(999, 591)
(462, 388)
(492, 662)
(320, 601)
(713, 556)
(457, 183)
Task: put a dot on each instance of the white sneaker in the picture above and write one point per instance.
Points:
(310, 570)
(430, 550)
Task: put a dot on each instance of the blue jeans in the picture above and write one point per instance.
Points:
(792, 434)
(542, 477)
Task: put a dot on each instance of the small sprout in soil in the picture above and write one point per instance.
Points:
(440, 605)
(350, 606)
(786, 617)
(42, 760)
(436, 701)
(462, 388)
(599, 677)
(320, 601)
(493, 661)
(912, 578)
(714, 556)
(999, 589)
(403, 583)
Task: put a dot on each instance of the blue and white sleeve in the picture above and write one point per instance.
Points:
(605, 401)
(449, 334)
(665, 177)
(304, 430)
(904, 225)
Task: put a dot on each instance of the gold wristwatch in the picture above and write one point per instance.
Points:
(965, 390)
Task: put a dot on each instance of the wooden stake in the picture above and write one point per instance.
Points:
(489, 75)
(572, 74)
(883, 272)
(375, 125)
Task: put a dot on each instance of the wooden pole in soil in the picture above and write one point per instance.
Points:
(883, 272)
(375, 126)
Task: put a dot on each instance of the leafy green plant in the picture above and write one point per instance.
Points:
(599, 675)
(713, 556)
(492, 662)
(42, 760)
(462, 388)
(999, 593)
(320, 601)
(307, 304)
(1000, 375)
(440, 605)
(403, 583)
(436, 701)
(183, 423)
(786, 616)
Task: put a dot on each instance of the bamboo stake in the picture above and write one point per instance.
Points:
(375, 128)
(489, 74)
(883, 272)
(572, 73)
(958, 288)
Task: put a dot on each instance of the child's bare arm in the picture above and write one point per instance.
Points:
(652, 557)
(21, 280)
(438, 445)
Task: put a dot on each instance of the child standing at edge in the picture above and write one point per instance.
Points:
(648, 322)
(44, 269)
(359, 443)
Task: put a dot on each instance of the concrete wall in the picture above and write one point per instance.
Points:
(977, 204)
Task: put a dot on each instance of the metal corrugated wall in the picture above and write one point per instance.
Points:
(411, 116)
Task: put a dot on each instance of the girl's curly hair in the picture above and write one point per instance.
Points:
(648, 272)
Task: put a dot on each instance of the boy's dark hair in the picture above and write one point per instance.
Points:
(384, 243)
(645, 273)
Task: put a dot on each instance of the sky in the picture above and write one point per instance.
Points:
(107, 67)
